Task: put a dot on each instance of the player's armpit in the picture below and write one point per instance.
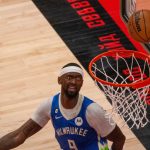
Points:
(17, 137)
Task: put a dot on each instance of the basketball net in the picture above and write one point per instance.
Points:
(130, 7)
(124, 78)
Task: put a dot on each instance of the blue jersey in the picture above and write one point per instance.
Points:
(75, 134)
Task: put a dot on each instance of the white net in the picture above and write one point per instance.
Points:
(130, 7)
(128, 102)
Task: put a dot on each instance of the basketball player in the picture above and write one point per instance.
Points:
(79, 123)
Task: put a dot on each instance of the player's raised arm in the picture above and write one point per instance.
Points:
(17, 137)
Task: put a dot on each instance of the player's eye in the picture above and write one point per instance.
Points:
(78, 78)
(70, 77)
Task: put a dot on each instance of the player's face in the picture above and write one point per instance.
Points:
(71, 84)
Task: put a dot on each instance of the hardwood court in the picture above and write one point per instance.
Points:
(31, 54)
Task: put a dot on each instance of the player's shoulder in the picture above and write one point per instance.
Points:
(90, 104)
(95, 108)
(87, 99)
(55, 97)
(47, 103)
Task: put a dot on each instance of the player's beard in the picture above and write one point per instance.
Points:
(71, 94)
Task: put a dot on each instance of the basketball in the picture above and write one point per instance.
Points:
(139, 26)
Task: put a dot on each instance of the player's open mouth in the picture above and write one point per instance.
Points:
(72, 88)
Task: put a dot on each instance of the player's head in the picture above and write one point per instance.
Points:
(71, 79)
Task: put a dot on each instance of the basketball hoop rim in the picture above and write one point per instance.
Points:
(126, 53)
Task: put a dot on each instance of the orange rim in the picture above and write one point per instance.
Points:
(125, 53)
